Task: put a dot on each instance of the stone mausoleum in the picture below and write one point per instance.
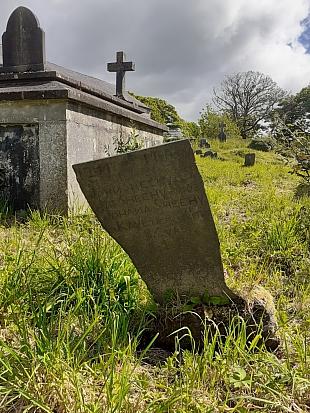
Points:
(52, 118)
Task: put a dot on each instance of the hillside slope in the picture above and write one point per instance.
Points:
(72, 307)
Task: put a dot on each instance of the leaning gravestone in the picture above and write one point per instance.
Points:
(153, 203)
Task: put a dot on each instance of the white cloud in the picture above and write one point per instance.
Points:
(182, 48)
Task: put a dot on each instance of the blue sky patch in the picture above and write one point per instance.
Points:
(304, 38)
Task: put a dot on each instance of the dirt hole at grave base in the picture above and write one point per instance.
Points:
(191, 330)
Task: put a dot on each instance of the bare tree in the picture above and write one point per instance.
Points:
(249, 98)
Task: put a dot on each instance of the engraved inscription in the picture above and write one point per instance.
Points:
(153, 203)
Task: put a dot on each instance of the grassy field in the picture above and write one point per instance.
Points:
(72, 307)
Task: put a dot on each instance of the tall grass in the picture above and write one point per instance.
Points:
(73, 308)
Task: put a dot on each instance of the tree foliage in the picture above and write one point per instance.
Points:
(249, 98)
(210, 121)
(294, 112)
(165, 113)
(190, 129)
(291, 128)
(161, 111)
(296, 144)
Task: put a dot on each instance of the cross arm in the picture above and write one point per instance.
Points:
(121, 67)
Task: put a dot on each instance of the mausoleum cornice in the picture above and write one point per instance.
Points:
(77, 80)
(44, 89)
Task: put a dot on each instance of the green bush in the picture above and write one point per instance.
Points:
(294, 144)
(210, 121)
(264, 144)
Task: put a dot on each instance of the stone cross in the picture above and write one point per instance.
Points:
(120, 67)
(153, 203)
(23, 43)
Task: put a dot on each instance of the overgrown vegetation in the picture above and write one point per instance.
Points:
(210, 121)
(165, 113)
(291, 127)
(72, 307)
(296, 145)
(123, 144)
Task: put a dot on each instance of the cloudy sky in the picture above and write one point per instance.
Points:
(182, 48)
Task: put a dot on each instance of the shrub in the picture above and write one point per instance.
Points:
(210, 121)
(294, 141)
(264, 144)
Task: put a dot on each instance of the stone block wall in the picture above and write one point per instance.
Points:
(49, 119)
(91, 135)
(53, 135)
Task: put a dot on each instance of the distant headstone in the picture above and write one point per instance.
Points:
(203, 143)
(209, 154)
(23, 43)
(222, 134)
(120, 67)
(249, 159)
(153, 203)
(174, 132)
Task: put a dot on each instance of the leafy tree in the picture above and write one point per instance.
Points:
(291, 128)
(165, 113)
(295, 143)
(294, 112)
(249, 98)
(210, 121)
(190, 129)
(161, 111)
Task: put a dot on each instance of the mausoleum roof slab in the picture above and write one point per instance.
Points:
(88, 84)
(28, 89)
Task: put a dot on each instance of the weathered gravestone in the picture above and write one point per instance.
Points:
(222, 134)
(203, 143)
(154, 204)
(209, 154)
(249, 159)
(23, 42)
